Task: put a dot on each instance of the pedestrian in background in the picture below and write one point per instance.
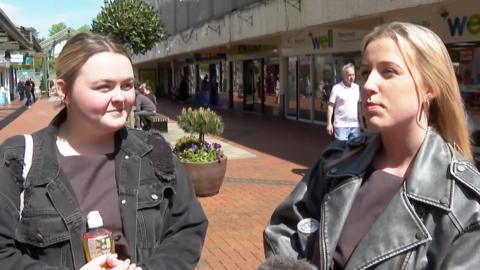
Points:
(87, 160)
(21, 89)
(144, 106)
(405, 196)
(148, 93)
(31, 87)
(343, 107)
(28, 93)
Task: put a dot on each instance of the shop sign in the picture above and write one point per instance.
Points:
(451, 22)
(16, 58)
(458, 25)
(322, 41)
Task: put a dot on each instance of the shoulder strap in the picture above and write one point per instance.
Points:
(27, 163)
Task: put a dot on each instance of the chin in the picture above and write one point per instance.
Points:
(114, 125)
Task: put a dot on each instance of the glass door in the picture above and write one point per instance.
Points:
(305, 97)
(248, 85)
(291, 91)
(324, 75)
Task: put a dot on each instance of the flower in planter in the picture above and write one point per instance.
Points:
(192, 149)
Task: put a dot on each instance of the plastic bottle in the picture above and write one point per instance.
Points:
(97, 240)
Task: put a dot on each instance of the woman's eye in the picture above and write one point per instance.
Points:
(389, 71)
(103, 88)
(365, 73)
(127, 87)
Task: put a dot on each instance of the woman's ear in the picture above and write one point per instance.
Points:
(61, 90)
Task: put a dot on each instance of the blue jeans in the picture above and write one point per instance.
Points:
(346, 133)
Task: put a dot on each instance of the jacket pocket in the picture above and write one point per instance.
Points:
(43, 235)
(41, 228)
(152, 206)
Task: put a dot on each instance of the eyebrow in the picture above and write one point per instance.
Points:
(111, 81)
(383, 63)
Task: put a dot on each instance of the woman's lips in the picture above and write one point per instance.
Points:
(372, 106)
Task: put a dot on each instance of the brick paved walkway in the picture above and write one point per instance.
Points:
(253, 187)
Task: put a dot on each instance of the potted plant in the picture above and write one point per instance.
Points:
(204, 162)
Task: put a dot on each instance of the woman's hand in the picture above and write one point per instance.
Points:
(109, 261)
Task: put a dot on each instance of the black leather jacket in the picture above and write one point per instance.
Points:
(163, 221)
(433, 222)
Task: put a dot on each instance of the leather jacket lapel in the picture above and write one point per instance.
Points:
(396, 230)
(335, 210)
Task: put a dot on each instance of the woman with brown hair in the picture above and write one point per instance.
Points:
(87, 160)
(405, 195)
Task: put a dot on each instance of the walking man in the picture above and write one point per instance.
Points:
(343, 106)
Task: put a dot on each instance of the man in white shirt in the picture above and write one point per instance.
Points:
(343, 105)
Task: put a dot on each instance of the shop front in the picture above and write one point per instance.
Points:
(314, 61)
(254, 72)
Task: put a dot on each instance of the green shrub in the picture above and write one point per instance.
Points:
(202, 121)
(192, 149)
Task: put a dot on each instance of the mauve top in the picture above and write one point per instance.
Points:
(372, 198)
(92, 178)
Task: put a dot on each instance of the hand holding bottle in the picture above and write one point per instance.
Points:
(110, 262)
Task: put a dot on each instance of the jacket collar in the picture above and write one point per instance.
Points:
(132, 144)
(426, 183)
(45, 143)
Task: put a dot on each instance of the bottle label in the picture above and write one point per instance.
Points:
(98, 246)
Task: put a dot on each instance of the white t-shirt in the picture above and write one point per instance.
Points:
(346, 104)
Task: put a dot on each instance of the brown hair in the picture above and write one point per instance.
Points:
(425, 53)
(79, 49)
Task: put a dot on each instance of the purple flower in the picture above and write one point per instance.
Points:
(217, 145)
(207, 145)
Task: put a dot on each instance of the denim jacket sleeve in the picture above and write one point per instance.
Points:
(184, 230)
(10, 188)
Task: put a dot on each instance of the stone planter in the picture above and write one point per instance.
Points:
(207, 178)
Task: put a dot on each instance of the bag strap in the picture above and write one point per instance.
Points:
(27, 163)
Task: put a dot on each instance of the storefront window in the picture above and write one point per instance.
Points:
(291, 91)
(238, 85)
(466, 62)
(324, 71)
(305, 90)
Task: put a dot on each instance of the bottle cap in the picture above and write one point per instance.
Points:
(94, 220)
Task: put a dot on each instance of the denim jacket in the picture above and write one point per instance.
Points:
(433, 222)
(163, 222)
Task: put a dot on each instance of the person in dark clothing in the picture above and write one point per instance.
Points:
(21, 89)
(28, 93)
(148, 93)
(404, 195)
(31, 88)
(87, 160)
(183, 89)
(144, 106)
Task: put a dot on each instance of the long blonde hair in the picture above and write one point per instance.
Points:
(424, 52)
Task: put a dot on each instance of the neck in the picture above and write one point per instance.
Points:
(399, 148)
(347, 83)
(74, 139)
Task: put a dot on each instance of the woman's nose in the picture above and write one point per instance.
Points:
(118, 94)
(371, 83)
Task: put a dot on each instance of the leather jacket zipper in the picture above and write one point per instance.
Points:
(323, 257)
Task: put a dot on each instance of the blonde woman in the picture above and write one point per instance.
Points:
(87, 160)
(405, 196)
